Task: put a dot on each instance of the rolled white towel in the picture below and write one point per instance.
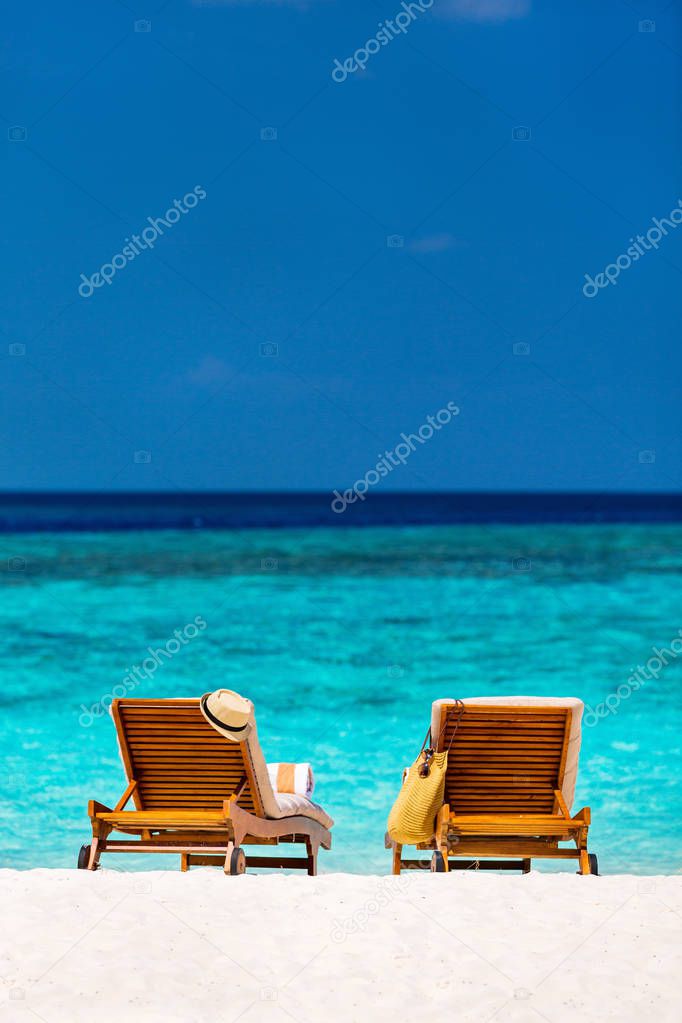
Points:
(296, 778)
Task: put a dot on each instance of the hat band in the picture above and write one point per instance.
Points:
(221, 724)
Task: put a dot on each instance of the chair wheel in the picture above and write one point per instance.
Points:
(437, 863)
(84, 857)
(237, 864)
(593, 864)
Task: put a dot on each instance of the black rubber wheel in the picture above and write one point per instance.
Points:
(593, 864)
(84, 857)
(237, 862)
(437, 863)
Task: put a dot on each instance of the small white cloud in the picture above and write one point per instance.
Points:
(484, 10)
(434, 243)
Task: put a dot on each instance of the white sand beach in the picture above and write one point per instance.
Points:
(166, 947)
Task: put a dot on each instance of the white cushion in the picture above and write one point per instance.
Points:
(284, 804)
(293, 805)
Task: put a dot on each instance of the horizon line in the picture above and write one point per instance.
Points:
(325, 492)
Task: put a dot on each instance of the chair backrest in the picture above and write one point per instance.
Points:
(178, 760)
(504, 759)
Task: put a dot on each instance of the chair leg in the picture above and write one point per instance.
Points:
(443, 850)
(95, 853)
(184, 861)
(397, 853)
(526, 866)
(441, 834)
(100, 833)
(312, 848)
(583, 858)
(228, 857)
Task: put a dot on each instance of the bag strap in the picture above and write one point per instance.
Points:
(428, 740)
(459, 708)
(430, 751)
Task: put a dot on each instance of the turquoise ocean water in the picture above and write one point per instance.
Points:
(342, 638)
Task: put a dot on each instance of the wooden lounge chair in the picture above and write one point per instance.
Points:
(509, 786)
(197, 794)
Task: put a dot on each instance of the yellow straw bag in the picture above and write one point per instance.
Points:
(412, 816)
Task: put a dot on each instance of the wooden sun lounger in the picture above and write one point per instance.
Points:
(503, 790)
(194, 793)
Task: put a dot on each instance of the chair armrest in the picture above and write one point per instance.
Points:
(585, 814)
(94, 808)
(227, 806)
(126, 796)
(561, 803)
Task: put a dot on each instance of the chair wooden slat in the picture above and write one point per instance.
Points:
(159, 740)
(524, 760)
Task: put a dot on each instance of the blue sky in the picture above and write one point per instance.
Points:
(399, 244)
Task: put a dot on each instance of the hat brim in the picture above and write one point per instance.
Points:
(238, 732)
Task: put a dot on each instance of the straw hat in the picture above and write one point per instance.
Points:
(228, 712)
